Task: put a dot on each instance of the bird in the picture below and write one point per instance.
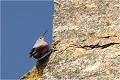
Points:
(40, 49)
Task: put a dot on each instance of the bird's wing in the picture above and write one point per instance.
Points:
(49, 52)
(32, 52)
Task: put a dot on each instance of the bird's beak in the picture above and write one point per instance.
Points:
(45, 32)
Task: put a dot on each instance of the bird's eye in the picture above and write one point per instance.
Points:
(40, 37)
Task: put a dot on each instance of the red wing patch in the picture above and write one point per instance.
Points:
(46, 45)
(43, 47)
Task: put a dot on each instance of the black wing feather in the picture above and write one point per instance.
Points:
(32, 52)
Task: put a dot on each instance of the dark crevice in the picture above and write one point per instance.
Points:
(99, 46)
(108, 36)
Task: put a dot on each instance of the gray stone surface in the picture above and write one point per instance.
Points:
(86, 41)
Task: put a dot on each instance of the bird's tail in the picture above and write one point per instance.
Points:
(32, 52)
(30, 56)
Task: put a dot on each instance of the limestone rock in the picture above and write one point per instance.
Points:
(86, 41)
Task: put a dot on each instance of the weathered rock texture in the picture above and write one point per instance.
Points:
(86, 41)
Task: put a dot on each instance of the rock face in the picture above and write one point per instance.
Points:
(86, 41)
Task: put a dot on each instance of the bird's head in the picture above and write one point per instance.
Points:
(41, 38)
